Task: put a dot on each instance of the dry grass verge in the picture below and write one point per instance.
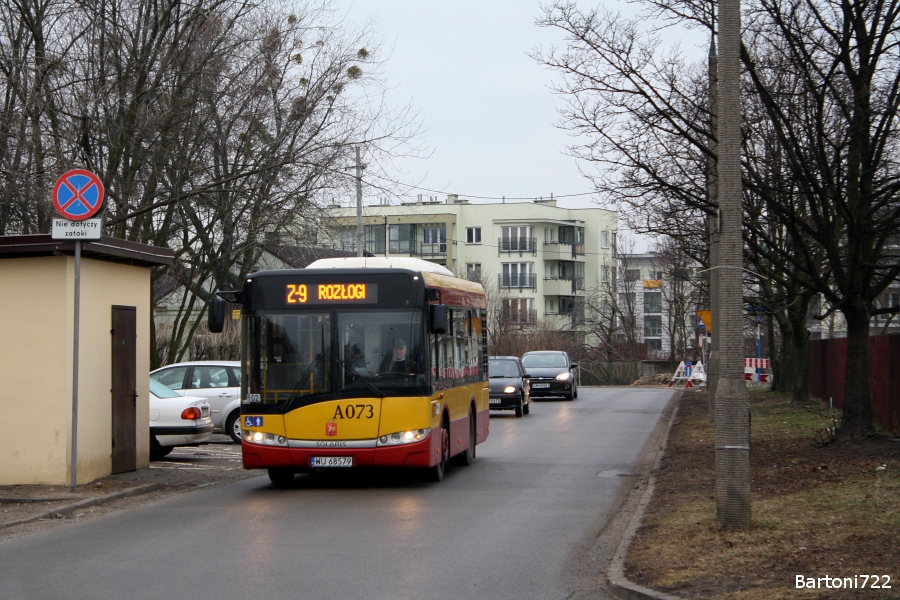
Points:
(831, 511)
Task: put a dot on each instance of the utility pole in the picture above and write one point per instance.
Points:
(732, 403)
(712, 366)
(359, 223)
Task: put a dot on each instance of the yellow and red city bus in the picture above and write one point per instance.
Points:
(320, 382)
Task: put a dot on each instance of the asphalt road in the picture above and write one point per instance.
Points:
(519, 523)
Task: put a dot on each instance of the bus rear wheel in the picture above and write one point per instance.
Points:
(281, 477)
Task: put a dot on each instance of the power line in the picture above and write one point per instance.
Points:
(477, 197)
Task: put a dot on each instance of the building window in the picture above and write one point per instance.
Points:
(517, 275)
(573, 307)
(652, 302)
(654, 345)
(655, 275)
(434, 240)
(516, 239)
(604, 239)
(652, 326)
(473, 235)
(632, 275)
(604, 273)
(401, 238)
(473, 271)
(518, 310)
(614, 244)
(626, 300)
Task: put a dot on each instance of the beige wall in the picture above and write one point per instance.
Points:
(37, 329)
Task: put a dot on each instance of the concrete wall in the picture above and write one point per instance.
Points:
(37, 330)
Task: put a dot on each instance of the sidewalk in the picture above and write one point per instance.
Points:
(184, 469)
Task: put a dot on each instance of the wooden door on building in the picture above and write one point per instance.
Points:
(124, 388)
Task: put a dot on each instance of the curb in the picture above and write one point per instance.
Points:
(616, 581)
(58, 513)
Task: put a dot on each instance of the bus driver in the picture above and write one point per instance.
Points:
(397, 362)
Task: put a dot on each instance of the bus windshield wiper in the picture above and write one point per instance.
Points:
(304, 378)
(371, 386)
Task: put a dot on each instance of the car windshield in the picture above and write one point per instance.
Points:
(161, 391)
(545, 361)
(502, 368)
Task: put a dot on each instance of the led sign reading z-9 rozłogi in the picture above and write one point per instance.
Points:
(326, 293)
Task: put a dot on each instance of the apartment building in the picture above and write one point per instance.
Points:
(542, 258)
(657, 302)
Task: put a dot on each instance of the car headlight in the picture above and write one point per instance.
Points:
(266, 439)
(403, 437)
(510, 389)
(564, 376)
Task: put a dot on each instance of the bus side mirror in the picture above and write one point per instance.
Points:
(216, 315)
(438, 318)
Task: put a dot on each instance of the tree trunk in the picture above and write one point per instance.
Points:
(800, 352)
(792, 372)
(857, 412)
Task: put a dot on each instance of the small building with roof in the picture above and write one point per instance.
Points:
(37, 276)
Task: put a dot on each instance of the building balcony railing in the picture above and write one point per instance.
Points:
(519, 317)
(375, 247)
(575, 318)
(563, 251)
(563, 286)
(518, 282)
(417, 248)
(522, 245)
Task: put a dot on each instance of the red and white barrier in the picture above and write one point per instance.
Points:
(760, 377)
(756, 363)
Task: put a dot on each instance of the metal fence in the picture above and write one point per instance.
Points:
(827, 371)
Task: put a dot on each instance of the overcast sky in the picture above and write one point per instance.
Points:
(486, 107)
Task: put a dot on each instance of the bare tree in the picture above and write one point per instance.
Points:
(213, 123)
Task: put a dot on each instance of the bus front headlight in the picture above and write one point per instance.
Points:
(403, 437)
(264, 438)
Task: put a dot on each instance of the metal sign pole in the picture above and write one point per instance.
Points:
(75, 366)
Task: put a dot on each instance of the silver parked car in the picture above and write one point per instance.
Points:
(217, 381)
(176, 420)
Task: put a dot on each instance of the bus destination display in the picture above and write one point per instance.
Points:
(327, 293)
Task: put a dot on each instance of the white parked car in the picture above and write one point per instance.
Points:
(176, 420)
(217, 381)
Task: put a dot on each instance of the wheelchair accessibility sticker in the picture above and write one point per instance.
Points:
(253, 421)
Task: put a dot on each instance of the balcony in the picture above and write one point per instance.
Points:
(430, 250)
(373, 247)
(557, 286)
(520, 246)
(521, 282)
(518, 317)
(563, 251)
(575, 318)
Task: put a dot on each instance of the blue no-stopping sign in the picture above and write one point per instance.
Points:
(78, 195)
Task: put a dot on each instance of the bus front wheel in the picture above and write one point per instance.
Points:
(468, 457)
(281, 477)
(437, 472)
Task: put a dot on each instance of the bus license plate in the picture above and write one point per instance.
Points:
(540, 385)
(331, 461)
(494, 401)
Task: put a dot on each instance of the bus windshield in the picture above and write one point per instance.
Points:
(297, 358)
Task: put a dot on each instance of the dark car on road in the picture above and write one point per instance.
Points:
(509, 385)
(551, 373)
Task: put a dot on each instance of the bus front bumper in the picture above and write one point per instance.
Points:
(425, 453)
